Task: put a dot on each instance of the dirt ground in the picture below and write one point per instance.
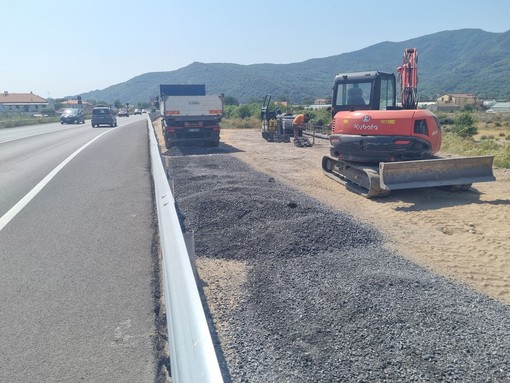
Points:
(465, 236)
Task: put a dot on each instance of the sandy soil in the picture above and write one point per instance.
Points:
(465, 236)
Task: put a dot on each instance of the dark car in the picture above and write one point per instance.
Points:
(103, 115)
(72, 116)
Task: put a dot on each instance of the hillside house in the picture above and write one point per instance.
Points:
(456, 101)
(21, 103)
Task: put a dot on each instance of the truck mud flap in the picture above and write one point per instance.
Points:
(436, 172)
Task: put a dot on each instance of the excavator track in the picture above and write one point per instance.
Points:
(360, 178)
(369, 180)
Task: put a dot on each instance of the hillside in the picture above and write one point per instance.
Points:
(461, 61)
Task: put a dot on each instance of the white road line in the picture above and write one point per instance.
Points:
(2, 141)
(7, 217)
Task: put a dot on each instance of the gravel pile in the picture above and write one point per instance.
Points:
(324, 301)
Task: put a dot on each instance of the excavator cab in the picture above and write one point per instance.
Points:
(364, 91)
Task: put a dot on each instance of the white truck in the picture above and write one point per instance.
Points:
(189, 116)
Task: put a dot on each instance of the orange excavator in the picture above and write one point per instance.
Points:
(377, 145)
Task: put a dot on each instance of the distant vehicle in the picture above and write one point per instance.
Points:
(123, 113)
(72, 116)
(144, 111)
(138, 111)
(103, 115)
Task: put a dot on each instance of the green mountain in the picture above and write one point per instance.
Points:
(460, 61)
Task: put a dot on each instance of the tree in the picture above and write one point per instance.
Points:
(229, 100)
(244, 111)
(464, 126)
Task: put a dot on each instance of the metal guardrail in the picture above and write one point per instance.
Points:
(192, 354)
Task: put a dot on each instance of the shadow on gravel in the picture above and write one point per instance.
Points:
(178, 151)
(436, 198)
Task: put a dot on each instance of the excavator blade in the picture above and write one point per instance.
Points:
(462, 171)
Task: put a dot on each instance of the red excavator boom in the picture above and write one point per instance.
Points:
(408, 74)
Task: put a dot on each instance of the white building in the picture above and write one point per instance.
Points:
(21, 103)
(501, 107)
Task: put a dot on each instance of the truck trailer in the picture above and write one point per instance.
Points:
(189, 116)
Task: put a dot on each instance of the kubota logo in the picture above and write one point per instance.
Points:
(365, 118)
(365, 127)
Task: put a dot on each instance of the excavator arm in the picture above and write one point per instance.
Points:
(409, 79)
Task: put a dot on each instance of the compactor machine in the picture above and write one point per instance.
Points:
(377, 146)
(276, 127)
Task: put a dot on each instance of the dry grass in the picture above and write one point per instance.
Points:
(493, 138)
(497, 146)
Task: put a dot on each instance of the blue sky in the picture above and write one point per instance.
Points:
(59, 48)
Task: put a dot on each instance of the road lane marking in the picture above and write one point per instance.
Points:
(7, 217)
(56, 129)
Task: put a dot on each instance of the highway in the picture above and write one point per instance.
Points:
(77, 254)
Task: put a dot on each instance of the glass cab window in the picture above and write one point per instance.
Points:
(387, 98)
(356, 94)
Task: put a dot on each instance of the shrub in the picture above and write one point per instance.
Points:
(241, 123)
(464, 126)
(242, 111)
(446, 121)
(488, 146)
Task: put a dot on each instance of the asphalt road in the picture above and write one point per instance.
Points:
(77, 267)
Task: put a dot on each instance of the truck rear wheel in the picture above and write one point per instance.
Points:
(168, 144)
